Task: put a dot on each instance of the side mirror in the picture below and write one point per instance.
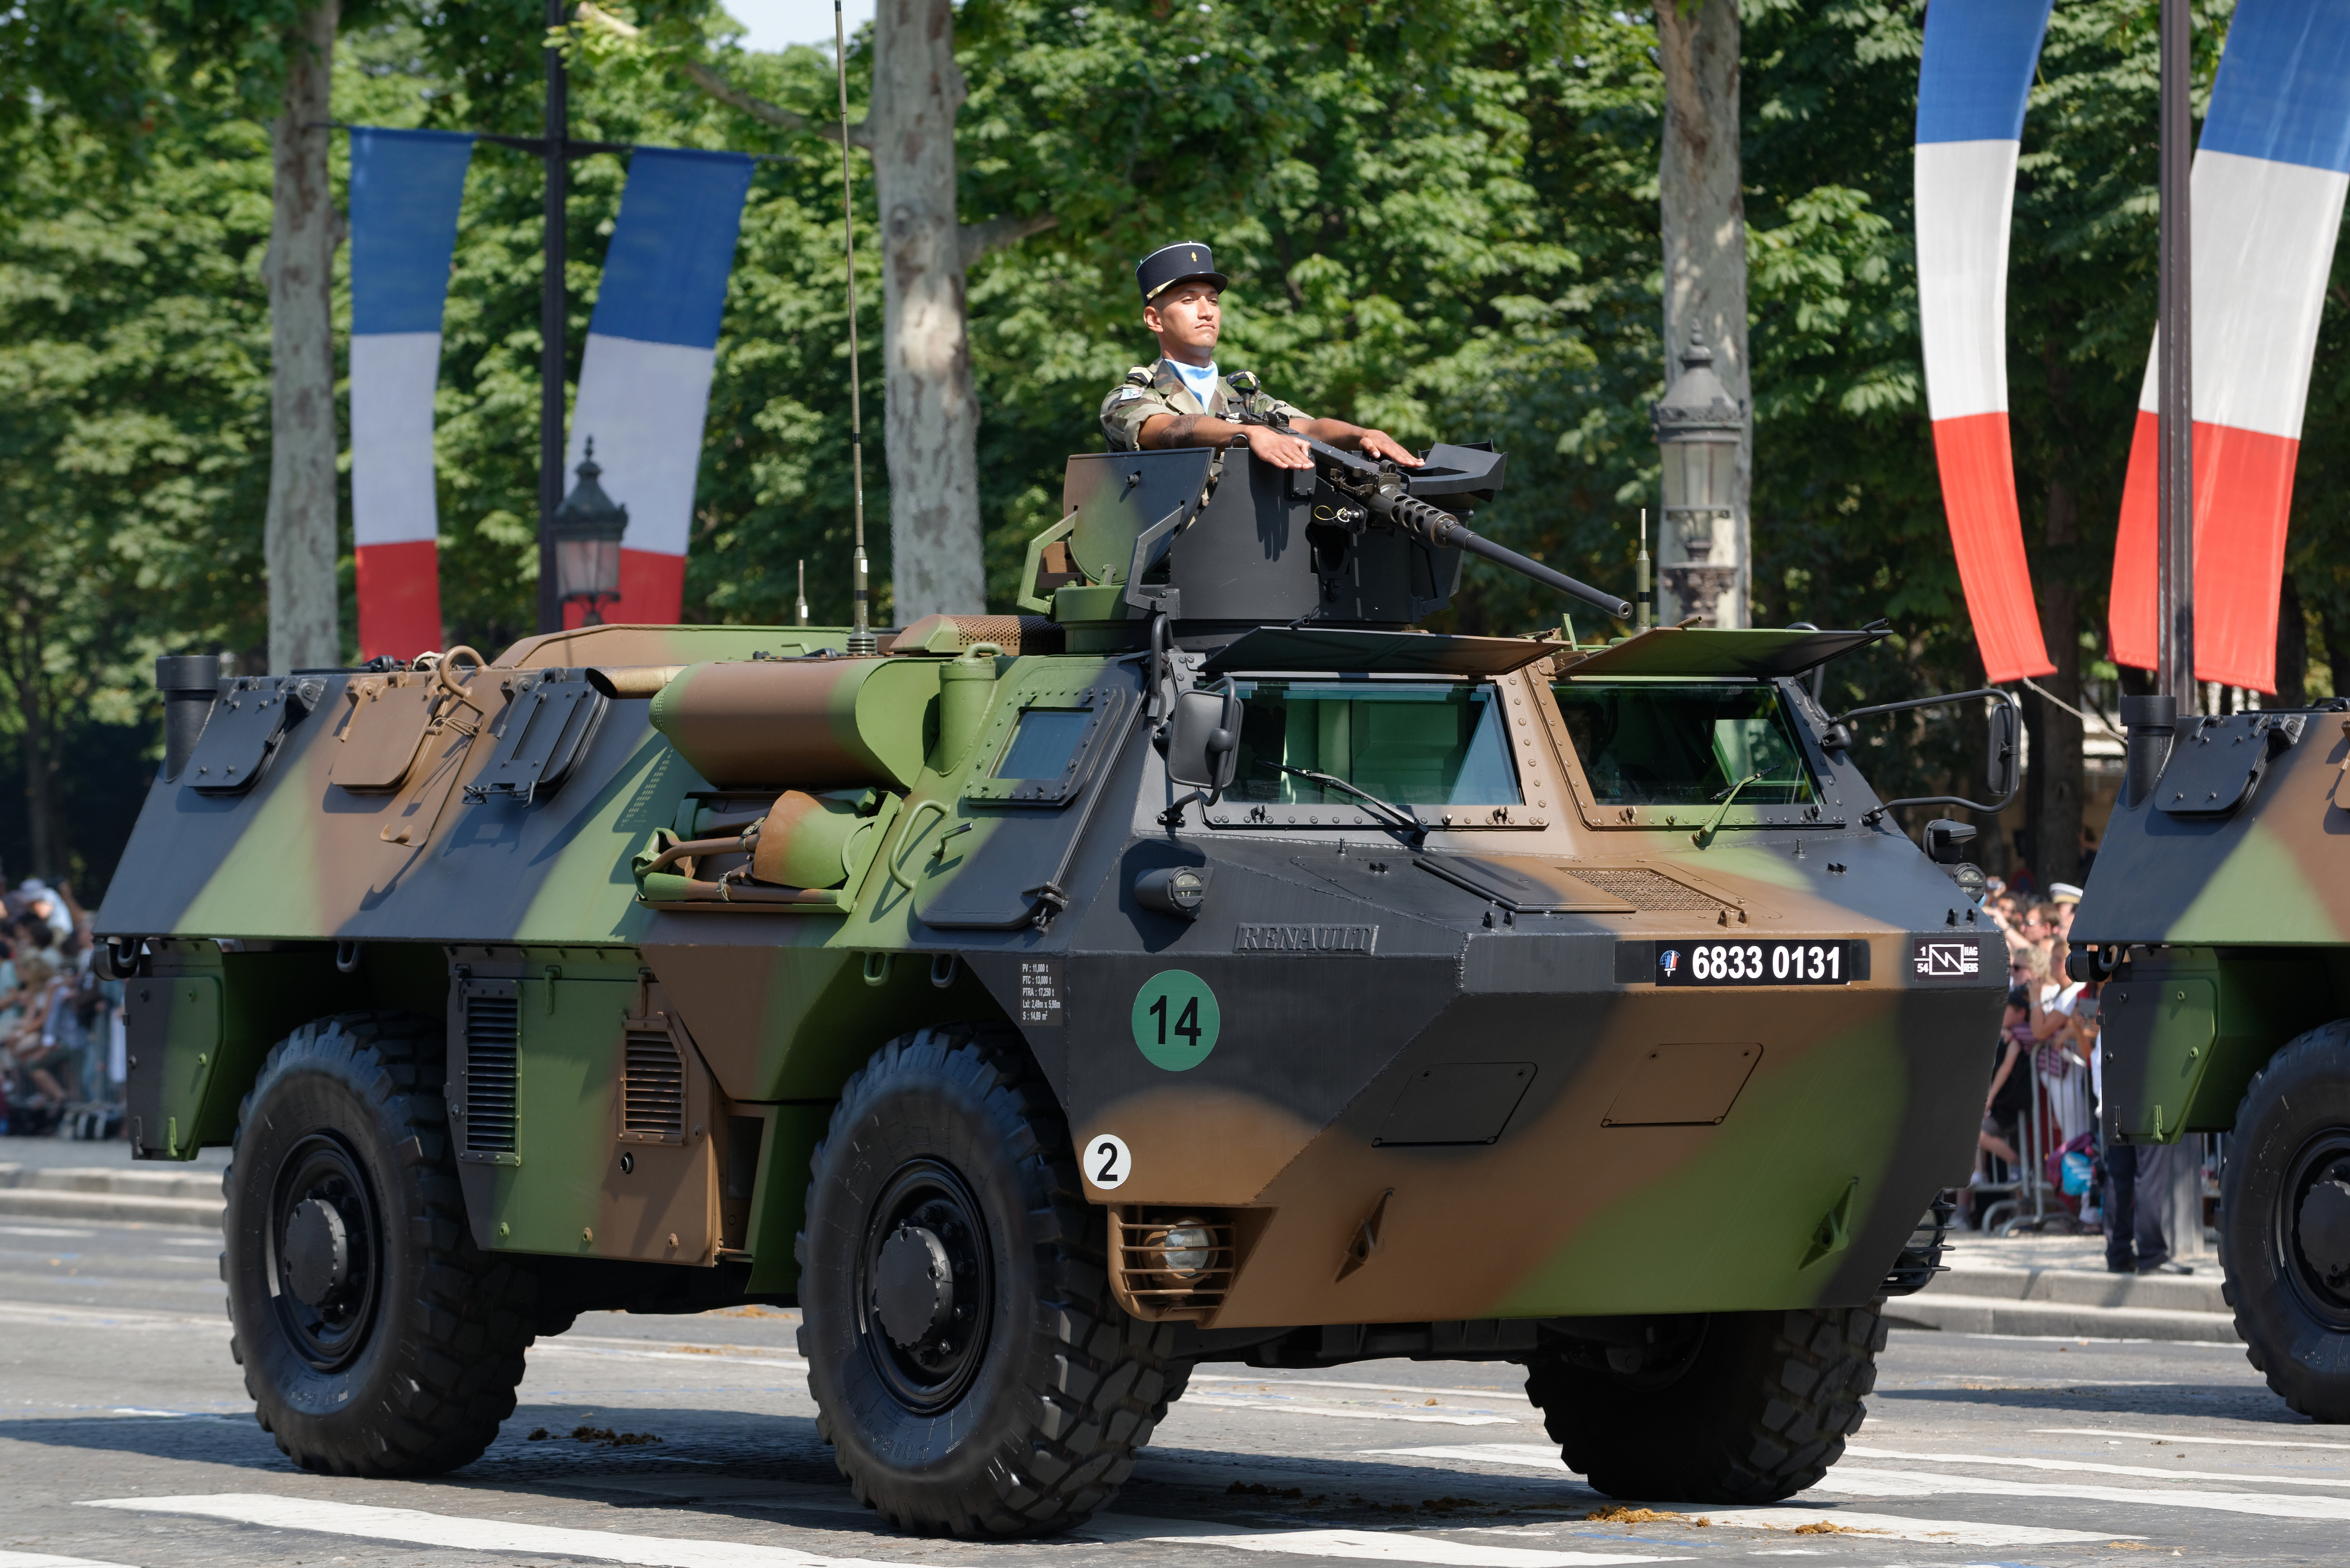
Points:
(2006, 759)
(1203, 740)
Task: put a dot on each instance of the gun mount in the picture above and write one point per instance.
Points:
(1222, 544)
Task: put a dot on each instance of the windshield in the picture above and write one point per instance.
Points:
(1413, 744)
(1684, 743)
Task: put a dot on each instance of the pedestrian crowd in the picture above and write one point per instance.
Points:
(62, 1052)
(2048, 1058)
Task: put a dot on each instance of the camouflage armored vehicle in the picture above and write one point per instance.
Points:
(2220, 921)
(1205, 967)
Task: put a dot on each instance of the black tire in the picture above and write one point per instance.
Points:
(1753, 1407)
(1013, 1408)
(401, 1358)
(2290, 1289)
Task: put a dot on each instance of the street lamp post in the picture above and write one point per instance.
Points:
(585, 534)
(1698, 426)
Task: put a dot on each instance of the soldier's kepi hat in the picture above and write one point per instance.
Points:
(1181, 261)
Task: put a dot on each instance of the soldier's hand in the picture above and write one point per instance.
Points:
(1277, 447)
(1378, 443)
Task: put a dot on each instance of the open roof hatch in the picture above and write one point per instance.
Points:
(1756, 652)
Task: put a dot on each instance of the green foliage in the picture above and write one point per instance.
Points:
(1441, 219)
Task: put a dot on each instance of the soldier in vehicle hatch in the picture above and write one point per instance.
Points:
(1178, 400)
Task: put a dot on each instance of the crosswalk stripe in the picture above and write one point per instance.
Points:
(42, 1560)
(2091, 1466)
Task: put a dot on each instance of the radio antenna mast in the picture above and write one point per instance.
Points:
(860, 633)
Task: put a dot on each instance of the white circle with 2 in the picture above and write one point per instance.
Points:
(1107, 1160)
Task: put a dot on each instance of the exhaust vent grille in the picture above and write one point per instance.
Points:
(493, 1025)
(1646, 889)
(653, 1088)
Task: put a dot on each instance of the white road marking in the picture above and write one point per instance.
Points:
(1362, 1545)
(1524, 1455)
(171, 1415)
(42, 1560)
(736, 1355)
(417, 1527)
(1275, 1402)
(46, 1230)
(2111, 1433)
(103, 1317)
(1849, 1482)
(1199, 1377)
(1948, 1531)
(2017, 1461)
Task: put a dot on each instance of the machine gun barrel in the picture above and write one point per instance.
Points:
(1390, 503)
(1386, 498)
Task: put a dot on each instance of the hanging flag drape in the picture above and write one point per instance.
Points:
(2270, 174)
(1971, 88)
(405, 189)
(644, 382)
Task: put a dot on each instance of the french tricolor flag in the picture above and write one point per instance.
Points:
(652, 344)
(405, 190)
(1971, 88)
(2270, 176)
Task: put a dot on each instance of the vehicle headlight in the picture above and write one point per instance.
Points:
(1187, 1250)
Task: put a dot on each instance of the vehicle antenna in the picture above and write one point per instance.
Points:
(860, 632)
(1644, 591)
(801, 606)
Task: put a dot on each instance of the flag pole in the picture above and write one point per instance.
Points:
(2175, 380)
(860, 634)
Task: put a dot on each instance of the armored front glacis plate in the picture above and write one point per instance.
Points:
(1469, 989)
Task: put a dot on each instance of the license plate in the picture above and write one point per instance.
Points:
(1757, 963)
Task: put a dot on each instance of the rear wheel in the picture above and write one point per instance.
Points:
(2284, 1222)
(376, 1339)
(1735, 1408)
(972, 1370)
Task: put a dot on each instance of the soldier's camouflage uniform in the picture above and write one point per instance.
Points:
(1156, 389)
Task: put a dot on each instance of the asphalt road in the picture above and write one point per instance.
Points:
(125, 1438)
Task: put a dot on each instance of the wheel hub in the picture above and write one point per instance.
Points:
(913, 1286)
(317, 1252)
(2323, 1231)
(325, 1251)
(926, 1285)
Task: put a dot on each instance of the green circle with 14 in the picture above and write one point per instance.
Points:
(1176, 1020)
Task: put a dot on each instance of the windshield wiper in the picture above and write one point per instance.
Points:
(1396, 815)
(1704, 835)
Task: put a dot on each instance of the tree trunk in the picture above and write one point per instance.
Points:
(38, 736)
(2291, 648)
(2056, 768)
(1704, 221)
(930, 407)
(299, 540)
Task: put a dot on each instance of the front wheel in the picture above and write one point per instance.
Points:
(971, 1369)
(376, 1339)
(2284, 1222)
(1731, 1407)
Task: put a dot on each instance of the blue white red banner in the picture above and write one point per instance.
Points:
(652, 343)
(2270, 176)
(405, 190)
(1971, 89)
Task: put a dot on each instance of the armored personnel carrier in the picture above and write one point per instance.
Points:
(2221, 930)
(1206, 966)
